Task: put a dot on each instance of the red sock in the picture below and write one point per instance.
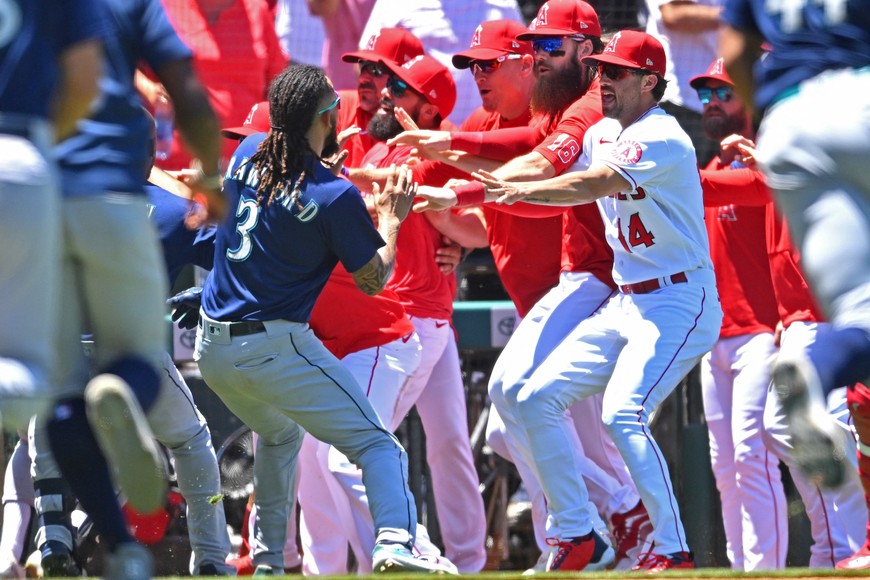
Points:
(858, 399)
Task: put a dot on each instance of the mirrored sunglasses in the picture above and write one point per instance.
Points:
(372, 68)
(549, 45)
(724, 94)
(397, 86)
(617, 73)
(488, 66)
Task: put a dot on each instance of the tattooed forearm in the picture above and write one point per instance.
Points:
(372, 277)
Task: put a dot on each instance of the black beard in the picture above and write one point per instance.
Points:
(330, 146)
(383, 127)
(717, 128)
(558, 89)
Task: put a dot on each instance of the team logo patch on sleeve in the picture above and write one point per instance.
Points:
(627, 152)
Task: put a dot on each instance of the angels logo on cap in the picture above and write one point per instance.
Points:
(475, 40)
(715, 72)
(541, 19)
(373, 40)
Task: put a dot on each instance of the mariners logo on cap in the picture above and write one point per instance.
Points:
(475, 40)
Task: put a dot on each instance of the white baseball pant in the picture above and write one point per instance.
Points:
(735, 378)
(436, 388)
(635, 349)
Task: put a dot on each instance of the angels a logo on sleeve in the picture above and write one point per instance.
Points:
(627, 152)
(566, 147)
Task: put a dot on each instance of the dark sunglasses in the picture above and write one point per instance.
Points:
(372, 68)
(488, 66)
(617, 73)
(336, 104)
(724, 94)
(549, 45)
(397, 86)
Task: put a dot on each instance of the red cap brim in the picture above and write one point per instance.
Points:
(238, 132)
(609, 59)
(542, 31)
(354, 57)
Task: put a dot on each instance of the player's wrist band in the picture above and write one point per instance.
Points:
(345, 171)
(470, 194)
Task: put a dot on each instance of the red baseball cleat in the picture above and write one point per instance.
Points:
(655, 563)
(589, 552)
(631, 531)
(860, 560)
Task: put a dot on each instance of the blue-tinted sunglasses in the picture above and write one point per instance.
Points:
(336, 104)
(549, 45)
(724, 94)
(397, 86)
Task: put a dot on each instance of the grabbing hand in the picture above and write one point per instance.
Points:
(434, 198)
(423, 140)
(397, 196)
(185, 307)
(448, 256)
(507, 192)
(208, 192)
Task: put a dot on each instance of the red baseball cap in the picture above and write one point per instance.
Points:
(493, 39)
(563, 18)
(632, 49)
(430, 78)
(394, 44)
(715, 72)
(256, 122)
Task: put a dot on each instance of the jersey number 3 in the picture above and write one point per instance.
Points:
(637, 233)
(251, 212)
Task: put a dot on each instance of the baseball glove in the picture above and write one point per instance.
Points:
(185, 307)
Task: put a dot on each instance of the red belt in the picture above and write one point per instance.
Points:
(648, 286)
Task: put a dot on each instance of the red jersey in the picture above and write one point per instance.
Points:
(347, 320)
(350, 114)
(584, 248)
(738, 249)
(235, 56)
(421, 287)
(794, 300)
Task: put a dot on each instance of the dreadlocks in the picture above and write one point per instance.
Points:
(293, 102)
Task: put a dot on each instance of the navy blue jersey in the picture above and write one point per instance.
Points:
(181, 246)
(32, 35)
(272, 262)
(112, 149)
(807, 37)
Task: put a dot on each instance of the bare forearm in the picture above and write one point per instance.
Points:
(372, 277)
(690, 17)
(529, 167)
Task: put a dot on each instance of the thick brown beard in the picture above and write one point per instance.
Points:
(554, 92)
(718, 128)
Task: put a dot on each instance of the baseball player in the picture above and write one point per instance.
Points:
(113, 282)
(527, 264)
(255, 347)
(836, 516)
(394, 44)
(640, 167)
(735, 375)
(817, 69)
(424, 88)
(51, 79)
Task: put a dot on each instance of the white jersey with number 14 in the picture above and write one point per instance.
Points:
(656, 228)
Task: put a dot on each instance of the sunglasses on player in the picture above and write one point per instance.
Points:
(372, 68)
(550, 45)
(724, 94)
(336, 104)
(488, 66)
(617, 73)
(397, 86)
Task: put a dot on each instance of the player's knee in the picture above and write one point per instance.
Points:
(536, 406)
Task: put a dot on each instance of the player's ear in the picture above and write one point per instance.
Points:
(527, 64)
(428, 112)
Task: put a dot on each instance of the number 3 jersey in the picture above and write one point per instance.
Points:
(272, 261)
(656, 228)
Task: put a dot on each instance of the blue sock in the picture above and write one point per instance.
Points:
(141, 376)
(83, 466)
(842, 358)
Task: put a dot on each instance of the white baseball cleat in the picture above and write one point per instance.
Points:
(396, 557)
(125, 438)
(819, 449)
